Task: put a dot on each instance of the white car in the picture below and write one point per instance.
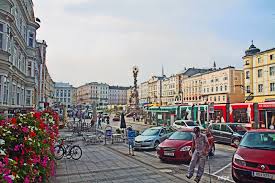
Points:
(185, 124)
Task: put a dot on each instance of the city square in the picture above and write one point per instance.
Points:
(137, 91)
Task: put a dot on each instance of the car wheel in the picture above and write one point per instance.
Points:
(236, 141)
(236, 179)
(212, 150)
(156, 144)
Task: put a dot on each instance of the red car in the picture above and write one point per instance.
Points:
(177, 146)
(254, 160)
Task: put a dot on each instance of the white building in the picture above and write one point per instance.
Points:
(17, 54)
(93, 92)
(143, 93)
(118, 95)
(64, 93)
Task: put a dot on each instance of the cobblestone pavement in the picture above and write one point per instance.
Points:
(102, 164)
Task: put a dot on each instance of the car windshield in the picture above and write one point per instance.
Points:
(191, 123)
(181, 136)
(150, 132)
(237, 128)
(261, 140)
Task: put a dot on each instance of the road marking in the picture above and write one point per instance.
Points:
(222, 169)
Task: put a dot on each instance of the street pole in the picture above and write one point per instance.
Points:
(256, 115)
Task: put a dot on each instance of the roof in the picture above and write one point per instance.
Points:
(192, 71)
(119, 87)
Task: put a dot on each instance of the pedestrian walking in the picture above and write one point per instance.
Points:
(74, 115)
(99, 123)
(199, 152)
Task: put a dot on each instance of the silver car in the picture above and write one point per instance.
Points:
(152, 137)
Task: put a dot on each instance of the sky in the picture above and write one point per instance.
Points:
(101, 40)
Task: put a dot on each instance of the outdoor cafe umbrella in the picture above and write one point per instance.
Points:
(122, 121)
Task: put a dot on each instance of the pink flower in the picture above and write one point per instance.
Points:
(27, 179)
(6, 160)
(40, 179)
(25, 129)
(8, 179)
(16, 148)
(44, 162)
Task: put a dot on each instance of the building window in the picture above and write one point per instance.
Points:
(248, 89)
(225, 88)
(223, 98)
(217, 80)
(28, 97)
(247, 62)
(29, 69)
(272, 71)
(260, 73)
(221, 88)
(212, 89)
(272, 86)
(225, 78)
(259, 60)
(260, 88)
(212, 80)
(31, 39)
(207, 89)
(219, 98)
(272, 57)
(57, 93)
(247, 75)
(1, 36)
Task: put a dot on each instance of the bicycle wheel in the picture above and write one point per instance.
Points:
(76, 152)
(59, 152)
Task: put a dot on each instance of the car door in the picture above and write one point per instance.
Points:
(216, 132)
(162, 135)
(225, 134)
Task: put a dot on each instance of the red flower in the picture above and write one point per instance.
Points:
(32, 134)
(13, 121)
(37, 115)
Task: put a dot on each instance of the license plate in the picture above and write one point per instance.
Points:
(264, 175)
(168, 153)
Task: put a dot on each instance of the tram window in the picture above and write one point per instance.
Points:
(240, 116)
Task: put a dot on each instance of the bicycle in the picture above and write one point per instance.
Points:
(67, 150)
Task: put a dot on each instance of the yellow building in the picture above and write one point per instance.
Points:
(259, 70)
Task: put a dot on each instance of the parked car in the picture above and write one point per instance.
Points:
(152, 137)
(254, 160)
(177, 146)
(116, 118)
(185, 124)
(227, 132)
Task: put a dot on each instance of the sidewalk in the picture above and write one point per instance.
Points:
(102, 164)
